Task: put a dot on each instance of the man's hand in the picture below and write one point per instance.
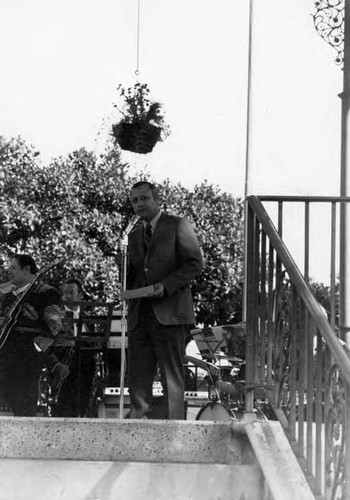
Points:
(61, 370)
(6, 288)
(159, 291)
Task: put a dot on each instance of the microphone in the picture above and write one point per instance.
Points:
(131, 224)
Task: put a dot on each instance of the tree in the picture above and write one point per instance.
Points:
(75, 209)
(322, 294)
(218, 220)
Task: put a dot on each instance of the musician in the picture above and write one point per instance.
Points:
(74, 380)
(163, 252)
(37, 324)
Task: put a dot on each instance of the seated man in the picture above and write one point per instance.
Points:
(72, 367)
(33, 331)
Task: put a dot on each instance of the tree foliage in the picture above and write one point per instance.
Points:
(75, 209)
(322, 294)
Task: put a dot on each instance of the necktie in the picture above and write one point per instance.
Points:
(148, 236)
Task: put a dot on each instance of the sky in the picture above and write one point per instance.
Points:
(63, 59)
(62, 62)
(296, 108)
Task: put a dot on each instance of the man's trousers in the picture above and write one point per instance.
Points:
(20, 369)
(151, 344)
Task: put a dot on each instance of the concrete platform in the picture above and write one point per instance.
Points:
(105, 459)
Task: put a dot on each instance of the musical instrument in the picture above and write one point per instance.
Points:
(13, 312)
(44, 392)
(219, 411)
(100, 375)
(193, 398)
(58, 381)
(216, 411)
(116, 391)
(209, 409)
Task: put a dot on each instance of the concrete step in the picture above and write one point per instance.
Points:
(162, 441)
(106, 480)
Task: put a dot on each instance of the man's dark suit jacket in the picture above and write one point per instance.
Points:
(174, 259)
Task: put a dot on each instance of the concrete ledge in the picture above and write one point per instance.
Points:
(278, 463)
(166, 441)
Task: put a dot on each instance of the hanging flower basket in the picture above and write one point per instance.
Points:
(143, 124)
(137, 137)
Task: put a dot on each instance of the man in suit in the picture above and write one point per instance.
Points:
(76, 380)
(163, 252)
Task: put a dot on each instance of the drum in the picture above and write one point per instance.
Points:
(240, 411)
(215, 411)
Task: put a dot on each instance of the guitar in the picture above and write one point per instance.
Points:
(12, 314)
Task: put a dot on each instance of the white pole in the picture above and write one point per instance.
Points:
(249, 394)
(344, 275)
(249, 103)
(247, 187)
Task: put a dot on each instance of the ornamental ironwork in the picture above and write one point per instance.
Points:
(329, 23)
(336, 427)
(283, 332)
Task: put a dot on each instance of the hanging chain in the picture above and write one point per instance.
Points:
(137, 71)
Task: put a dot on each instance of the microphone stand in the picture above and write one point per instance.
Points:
(124, 248)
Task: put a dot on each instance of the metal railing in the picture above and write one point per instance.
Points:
(293, 352)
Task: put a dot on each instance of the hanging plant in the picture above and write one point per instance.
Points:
(142, 124)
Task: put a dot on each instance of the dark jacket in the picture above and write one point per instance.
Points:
(174, 259)
(39, 317)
